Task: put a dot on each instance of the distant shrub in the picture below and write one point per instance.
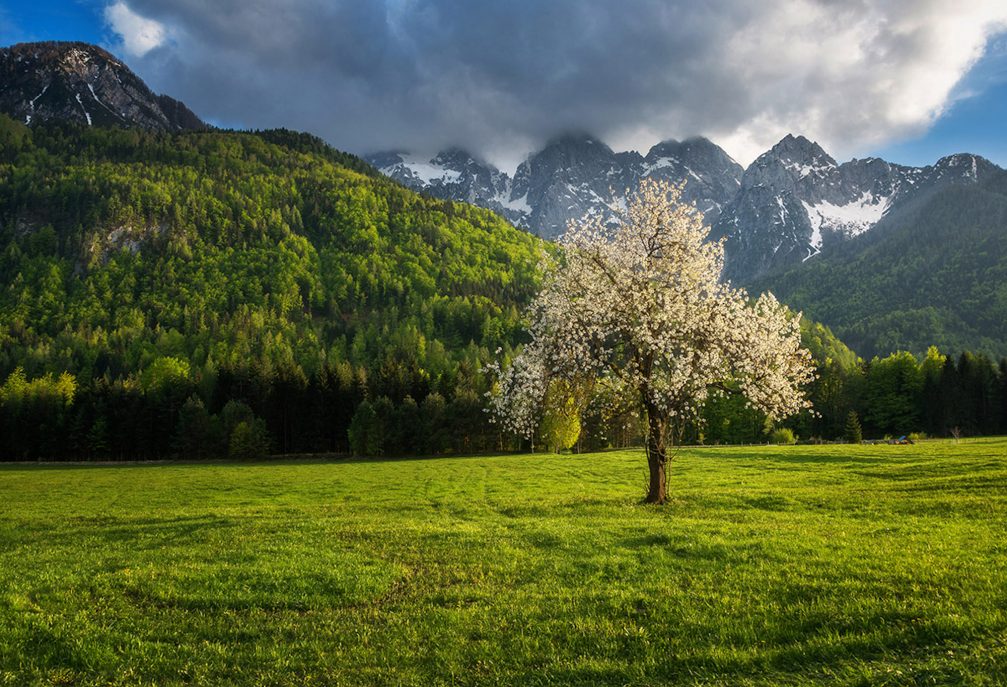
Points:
(560, 426)
(234, 413)
(917, 436)
(165, 374)
(783, 435)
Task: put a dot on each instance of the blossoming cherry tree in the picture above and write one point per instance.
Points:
(638, 302)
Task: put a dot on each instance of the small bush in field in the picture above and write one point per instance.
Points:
(783, 435)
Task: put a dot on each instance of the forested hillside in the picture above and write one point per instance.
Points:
(212, 293)
(934, 273)
(172, 274)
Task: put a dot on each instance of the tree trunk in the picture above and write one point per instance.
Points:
(657, 456)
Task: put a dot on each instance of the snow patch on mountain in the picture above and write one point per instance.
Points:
(816, 167)
(792, 203)
(783, 210)
(574, 176)
(515, 204)
(660, 163)
(83, 83)
(86, 113)
(41, 93)
(853, 218)
(425, 171)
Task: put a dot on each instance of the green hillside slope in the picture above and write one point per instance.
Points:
(240, 264)
(933, 273)
(219, 292)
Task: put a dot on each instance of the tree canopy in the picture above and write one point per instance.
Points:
(638, 305)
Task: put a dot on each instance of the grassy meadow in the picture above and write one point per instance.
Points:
(866, 565)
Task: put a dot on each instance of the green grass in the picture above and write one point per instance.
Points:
(789, 565)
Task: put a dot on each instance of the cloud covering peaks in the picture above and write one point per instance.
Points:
(501, 77)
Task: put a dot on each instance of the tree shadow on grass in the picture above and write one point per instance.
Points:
(827, 459)
(42, 644)
(272, 461)
(798, 652)
(680, 547)
(771, 502)
(143, 533)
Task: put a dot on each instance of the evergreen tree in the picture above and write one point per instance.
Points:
(950, 397)
(405, 428)
(931, 410)
(852, 432)
(1002, 428)
(197, 434)
(435, 432)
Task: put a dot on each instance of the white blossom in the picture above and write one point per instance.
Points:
(639, 303)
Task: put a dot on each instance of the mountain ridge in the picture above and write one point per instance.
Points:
(574, 174)
(83, 83)
(796, 202)
(788, 206)
(933, 273)
(791, 221)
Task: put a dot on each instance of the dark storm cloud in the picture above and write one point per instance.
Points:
(501, 77)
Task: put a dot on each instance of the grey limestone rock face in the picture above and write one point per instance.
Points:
(573, 176)
(712, 178)
(83, 83)
(453, 174)
(795, 202)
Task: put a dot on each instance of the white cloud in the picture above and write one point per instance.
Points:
(139, 35)
(852, 75)
(498, 77)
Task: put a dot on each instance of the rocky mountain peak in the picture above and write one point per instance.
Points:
(387, 159)
(711, 176)
(572, 149)
(964, 166)
(792, 204)
(794, 158)
(795, 202)
(457, 158)
(799, 149)
(453, 174)
(690, 148)
(79, 82)
(573, 175)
